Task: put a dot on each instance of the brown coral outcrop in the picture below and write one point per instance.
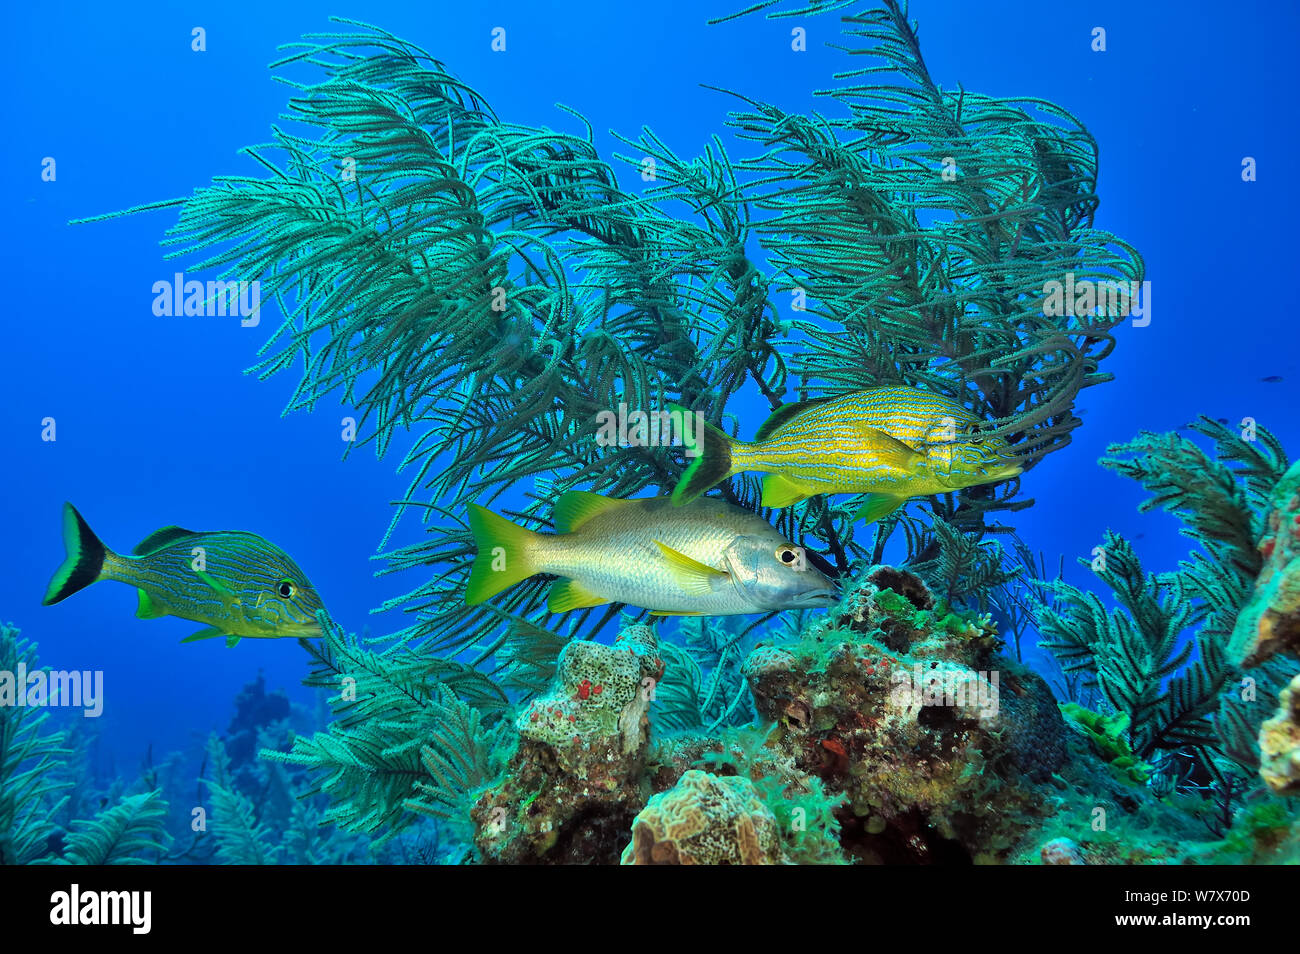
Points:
(903, 706)
(575, 782)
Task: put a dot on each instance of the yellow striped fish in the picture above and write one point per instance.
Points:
(709, 558)
(237, 583)
(891, 443)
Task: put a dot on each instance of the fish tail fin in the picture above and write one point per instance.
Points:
(504, 556)
(84, 563)
(712, 463)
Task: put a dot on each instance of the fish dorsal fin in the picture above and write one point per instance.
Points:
(576, 507)
(568, 595)
(691, 575)
(160, 538)
(783, 414)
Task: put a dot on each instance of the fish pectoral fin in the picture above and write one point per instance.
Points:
(877, 506)
(694, 577)
(145, 608)
(780, 491)
(207, 632)
(213, 582)
(568, 595)
(890, 450)
(672, 613)
(232, 641)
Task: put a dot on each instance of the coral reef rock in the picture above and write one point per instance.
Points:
(574, 784)
(1270, 621)
(705, 820)
(1061, 851)
(904, 706)
(1279, 743)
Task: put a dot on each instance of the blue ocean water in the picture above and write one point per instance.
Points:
(157, 424)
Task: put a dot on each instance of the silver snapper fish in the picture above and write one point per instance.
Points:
(707, 558)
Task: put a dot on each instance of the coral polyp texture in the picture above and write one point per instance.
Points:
(1279, 743)
(600, 692)
(705, 820)
(1269, 623)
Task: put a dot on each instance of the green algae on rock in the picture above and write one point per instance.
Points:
(1106, 733)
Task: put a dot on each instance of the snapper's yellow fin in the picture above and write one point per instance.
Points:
(780, 491)
(694, 577)
(877, 506)
(145, 608)
(576, 507)
(207, 632)
(569, 595)
(504, 555)
(889, 450)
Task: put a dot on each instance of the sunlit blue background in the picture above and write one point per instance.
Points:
(158, 425)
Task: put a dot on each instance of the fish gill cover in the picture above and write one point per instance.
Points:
(486, 293)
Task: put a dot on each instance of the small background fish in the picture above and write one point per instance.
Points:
(246, 587)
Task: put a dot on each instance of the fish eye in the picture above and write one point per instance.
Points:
(286, 588)
(787, 554)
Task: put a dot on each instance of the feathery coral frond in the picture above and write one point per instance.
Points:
(491, 287)
(408, 734)
(132, 832)
(1145, 665)
(30, 789)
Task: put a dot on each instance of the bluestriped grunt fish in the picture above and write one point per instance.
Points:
(709, 558)
(237, 583)
(891, 443)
